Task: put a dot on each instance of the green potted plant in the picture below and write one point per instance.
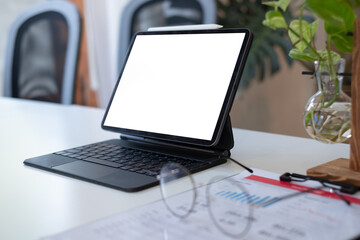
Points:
(327, 113)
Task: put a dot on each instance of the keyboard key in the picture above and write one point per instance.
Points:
(112, 154)
(107, 163)
(150, 173)
(137, 158)
(113, 159)
(73, 150)
(60, 153)
(122, 161)
(126, 167)
(66, 154)
(134, 169)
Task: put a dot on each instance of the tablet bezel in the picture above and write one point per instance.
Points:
(226, 106)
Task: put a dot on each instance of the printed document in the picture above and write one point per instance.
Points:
(317, 215)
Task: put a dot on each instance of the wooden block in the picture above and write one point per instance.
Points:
(355, 101)
(336, 170)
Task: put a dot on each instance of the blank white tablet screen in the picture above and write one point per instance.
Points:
(175, 84)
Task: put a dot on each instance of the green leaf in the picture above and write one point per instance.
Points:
(354, 3)
(313, 27)
(304, 33)
(283, 43)
(274, 19)
(342, 42)
(325, 57)
(305, 55)
(273, 4)
(283, 4)
(308, 117)
(338, 15)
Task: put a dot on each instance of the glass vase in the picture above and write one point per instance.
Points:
(327, 114)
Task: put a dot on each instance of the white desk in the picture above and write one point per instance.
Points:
(36, 203)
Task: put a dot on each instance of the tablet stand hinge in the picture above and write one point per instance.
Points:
(170, 144)
(222, 148)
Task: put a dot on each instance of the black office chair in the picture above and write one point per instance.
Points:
(41, 54)
(139, 15)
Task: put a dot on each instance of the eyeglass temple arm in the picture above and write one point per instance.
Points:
(287, 177)
(306, 191)
(339, 195)
(291, 195)
(248, 169)
(344, 187)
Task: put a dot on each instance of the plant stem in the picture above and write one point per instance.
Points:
(300, 21)
(333, 74)
(344, 127)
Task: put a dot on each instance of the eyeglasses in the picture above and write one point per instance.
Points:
(233, 219)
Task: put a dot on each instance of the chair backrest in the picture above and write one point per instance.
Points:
(139, 15)
(42, 51)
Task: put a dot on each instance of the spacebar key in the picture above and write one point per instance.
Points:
(102, 162)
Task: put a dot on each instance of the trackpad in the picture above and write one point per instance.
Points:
(108, 176)
(86, 169)
(128, 181)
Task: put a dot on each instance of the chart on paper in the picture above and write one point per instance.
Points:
(244, 197)
(317, 215)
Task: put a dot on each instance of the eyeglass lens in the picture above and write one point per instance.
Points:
(175, 179)
(229, 206)
(227, 201)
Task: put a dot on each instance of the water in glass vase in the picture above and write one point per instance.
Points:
(327, 116)
(331, 124)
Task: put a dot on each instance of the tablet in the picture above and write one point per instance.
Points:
(178, 86)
